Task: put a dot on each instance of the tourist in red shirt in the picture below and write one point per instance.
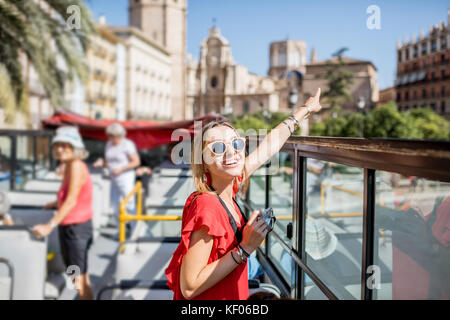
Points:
(210, 261)
(74, 208)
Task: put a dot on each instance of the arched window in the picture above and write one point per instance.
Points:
(214, 82)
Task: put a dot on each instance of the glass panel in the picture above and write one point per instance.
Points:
(280, 258)
(333, 237)
(311, 291)
(257, 193)
(281, 193)
(43, 156)
(281, 190)
(24, 164)
(5, 156)
(412, 230)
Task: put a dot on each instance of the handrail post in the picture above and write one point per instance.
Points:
(122, 221)
(139, 199)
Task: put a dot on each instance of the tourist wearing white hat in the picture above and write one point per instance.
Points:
(74, 206)
(121, 158)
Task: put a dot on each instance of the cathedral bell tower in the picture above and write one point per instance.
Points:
(164, 22)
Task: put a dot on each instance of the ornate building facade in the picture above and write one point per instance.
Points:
(423, 70)
(164, 23)
(148, 76)
(217, 83)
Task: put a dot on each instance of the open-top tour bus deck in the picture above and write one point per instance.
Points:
(356, 219)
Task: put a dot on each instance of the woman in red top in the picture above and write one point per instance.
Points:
(74, 207)
(210, 261)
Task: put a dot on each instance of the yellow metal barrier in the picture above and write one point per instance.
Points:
(125, 217)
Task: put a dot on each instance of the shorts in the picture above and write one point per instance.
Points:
(75, 241)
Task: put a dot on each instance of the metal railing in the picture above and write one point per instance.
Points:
(10, 153)
(423, 159)
(125, 217)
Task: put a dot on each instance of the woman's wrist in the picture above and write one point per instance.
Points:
(52, 224)
(248, 250)
(301, 113)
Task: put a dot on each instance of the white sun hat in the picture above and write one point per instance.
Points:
(320, 242)
(69, 135)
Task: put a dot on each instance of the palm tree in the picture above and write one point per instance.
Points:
(37, 29)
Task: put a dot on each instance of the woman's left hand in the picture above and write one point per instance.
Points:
(314, 102)
(117, 171)
(42, 230)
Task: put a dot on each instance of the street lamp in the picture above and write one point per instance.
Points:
(267, 114)
(361, 105)
(293, 97)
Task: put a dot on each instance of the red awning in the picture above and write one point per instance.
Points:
(144, 134)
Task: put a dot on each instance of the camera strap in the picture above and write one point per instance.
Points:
(237, 232)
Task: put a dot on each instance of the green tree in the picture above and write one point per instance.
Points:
(250, 122)
(260, 120)
(28, 28)
(429, 125)
(339, 79)
(386, 121)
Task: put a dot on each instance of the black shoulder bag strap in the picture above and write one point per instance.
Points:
(233, 224)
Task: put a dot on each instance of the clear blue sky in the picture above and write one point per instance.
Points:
(250, 26)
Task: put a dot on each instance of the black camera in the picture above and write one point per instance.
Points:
(269, 218)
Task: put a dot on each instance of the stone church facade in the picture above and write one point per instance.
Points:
(217, 83)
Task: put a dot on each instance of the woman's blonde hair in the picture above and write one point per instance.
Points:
(198, 169)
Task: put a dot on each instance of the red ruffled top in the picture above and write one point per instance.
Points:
(206, 210)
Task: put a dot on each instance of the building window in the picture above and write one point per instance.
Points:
(433, 93)
(407, 95)
(399, 96)
(214, 82)
(416, 51)
(246, 107)
(424, 48)
(443, 43)
(415, 95)
(433, 45)
(407, 54)
(443, 91)
(443, 74)
(424, 93)
(433, 106)
(443, 107)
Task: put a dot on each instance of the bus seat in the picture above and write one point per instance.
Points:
(30, 217)
(27, 255)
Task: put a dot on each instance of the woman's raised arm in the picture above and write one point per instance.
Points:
(275, 140)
